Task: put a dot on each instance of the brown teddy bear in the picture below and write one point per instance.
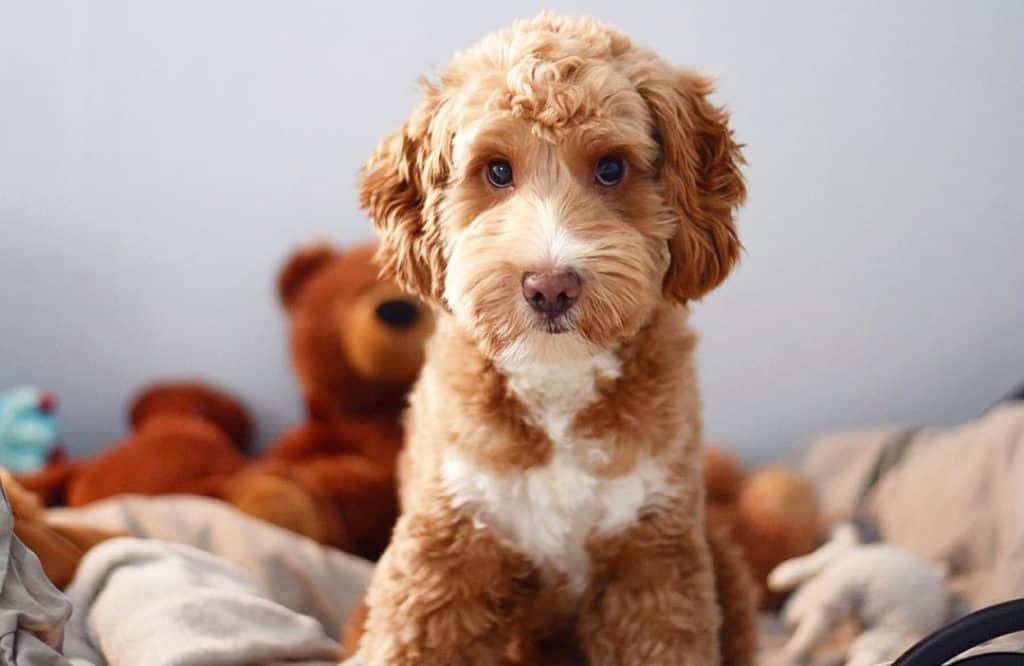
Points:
(772, 514)
(357, 346)
(186, 437)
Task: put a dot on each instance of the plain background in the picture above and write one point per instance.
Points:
(158, 160)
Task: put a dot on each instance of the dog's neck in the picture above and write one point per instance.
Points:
(554, 392)
(617, 401)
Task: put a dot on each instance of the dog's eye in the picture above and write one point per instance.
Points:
(609, 170)
(499, 174)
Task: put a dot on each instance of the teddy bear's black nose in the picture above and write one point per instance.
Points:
(398, 314)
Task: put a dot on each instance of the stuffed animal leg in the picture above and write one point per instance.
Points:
(59, 547)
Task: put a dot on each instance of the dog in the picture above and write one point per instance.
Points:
(559, 195)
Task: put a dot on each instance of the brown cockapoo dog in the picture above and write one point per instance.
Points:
(559, 195)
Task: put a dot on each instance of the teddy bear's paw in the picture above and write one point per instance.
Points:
(279, 501)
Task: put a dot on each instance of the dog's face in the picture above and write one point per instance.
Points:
(554, 187)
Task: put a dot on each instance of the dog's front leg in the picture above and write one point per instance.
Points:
(653, 601)
(445, 592)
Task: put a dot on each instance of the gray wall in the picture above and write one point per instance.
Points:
(158, 160)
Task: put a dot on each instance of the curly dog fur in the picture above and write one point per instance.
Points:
(553, 508)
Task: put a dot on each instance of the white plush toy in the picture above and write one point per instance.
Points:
(895, 598)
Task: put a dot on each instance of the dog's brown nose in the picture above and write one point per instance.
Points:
(551, 293)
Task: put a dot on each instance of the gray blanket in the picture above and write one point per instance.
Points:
(232, 590)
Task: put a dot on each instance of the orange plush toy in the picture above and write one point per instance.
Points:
(186, 438)
(772, 514)
(356, 347)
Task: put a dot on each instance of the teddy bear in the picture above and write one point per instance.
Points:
(186, 437)
(356, 346)
(772, 514)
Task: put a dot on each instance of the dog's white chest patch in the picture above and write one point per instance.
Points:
(548, 512)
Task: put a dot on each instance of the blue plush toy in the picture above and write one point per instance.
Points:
(28, 429)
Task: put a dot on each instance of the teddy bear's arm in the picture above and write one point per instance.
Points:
(377, 442)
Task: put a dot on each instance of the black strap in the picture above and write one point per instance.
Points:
(890, 456)
(968, 632)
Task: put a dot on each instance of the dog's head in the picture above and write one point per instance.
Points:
(554, 186)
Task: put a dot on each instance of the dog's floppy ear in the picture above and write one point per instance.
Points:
(700, 172)
(401, 189)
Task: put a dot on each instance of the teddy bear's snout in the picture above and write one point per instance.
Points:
(397, 313)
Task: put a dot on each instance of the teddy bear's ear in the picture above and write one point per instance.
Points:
(299, 268)
(193, 399)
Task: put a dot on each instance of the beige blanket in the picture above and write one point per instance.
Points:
(951, 495)
(947, 495)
